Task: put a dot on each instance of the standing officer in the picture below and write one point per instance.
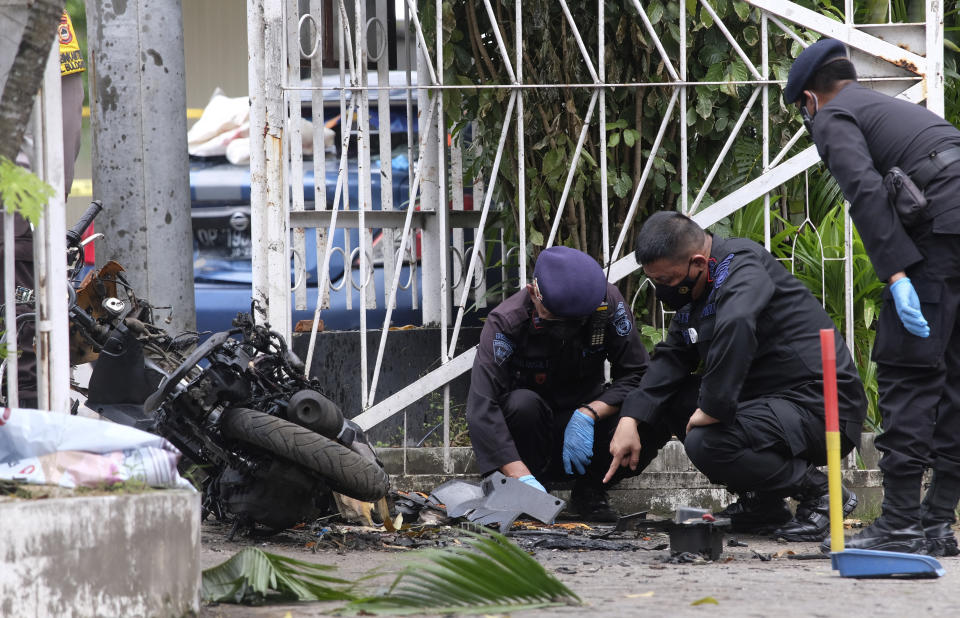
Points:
(896, 164)
(740, 368)
(539, 406)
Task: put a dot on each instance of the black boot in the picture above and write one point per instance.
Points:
(756, 512)
(588, 502)
(938, 514)
(898, 527)
(812, 521)
(884, 536)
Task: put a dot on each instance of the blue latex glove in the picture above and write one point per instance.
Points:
(530, 480)
(908, 307)
(578, 443)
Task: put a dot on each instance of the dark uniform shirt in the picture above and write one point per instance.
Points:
(754, 333)
(860, 134)
(516, 351)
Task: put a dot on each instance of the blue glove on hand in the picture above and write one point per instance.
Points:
(578, 443)
(532, 482)
(908, 307)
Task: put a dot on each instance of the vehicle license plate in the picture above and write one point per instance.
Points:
(223, 242)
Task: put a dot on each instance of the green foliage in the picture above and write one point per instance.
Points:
(825, 278)
(488, 574)
(22, 192)
(553, 117)
(254, 576)
(650, 336)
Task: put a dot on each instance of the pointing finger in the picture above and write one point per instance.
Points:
(613, 468)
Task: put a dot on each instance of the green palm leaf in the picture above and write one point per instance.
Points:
(487, 574)
(255, 576)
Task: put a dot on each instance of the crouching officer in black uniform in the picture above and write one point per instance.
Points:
(739, 373)
(896, 163)
(539, 407)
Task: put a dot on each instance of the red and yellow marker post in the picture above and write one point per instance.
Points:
(828, 353)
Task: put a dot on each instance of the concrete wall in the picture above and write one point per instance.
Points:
(669, 482)
(215, 46)
(118, 555)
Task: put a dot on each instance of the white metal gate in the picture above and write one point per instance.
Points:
(902, 59)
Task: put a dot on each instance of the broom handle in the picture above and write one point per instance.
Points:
(829, 355)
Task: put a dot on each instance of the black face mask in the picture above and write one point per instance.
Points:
(807, 118)
(676, 296)
(562, 330)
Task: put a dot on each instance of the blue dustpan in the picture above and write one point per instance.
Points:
(860, 563)
(864, 563)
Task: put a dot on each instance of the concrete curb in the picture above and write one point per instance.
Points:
(115, 555)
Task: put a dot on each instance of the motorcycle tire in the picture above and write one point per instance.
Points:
(343, 470)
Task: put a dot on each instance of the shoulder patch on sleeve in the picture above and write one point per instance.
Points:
(503, 348)
(621, 321)
(722, 271)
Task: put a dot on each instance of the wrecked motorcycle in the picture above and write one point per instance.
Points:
(265, 444)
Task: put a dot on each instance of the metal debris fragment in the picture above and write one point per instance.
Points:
(497, 500)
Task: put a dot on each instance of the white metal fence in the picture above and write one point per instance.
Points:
(902, 59)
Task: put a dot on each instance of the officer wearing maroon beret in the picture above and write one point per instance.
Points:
(540, 408)
(898, 165)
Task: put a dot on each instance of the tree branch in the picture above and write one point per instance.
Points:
(26, 73)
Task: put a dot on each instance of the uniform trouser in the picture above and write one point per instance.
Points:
(754, 452)
(919, 378)
(537, 431)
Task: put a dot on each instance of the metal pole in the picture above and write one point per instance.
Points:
(140, 167)
(319, 147)
(274, 216)
(934, 73)
(431, 253)
(256, 86)
(49, 249)
(388, 241)
(604, 198)
(442, 224)
(345, 46)
(10, 309)
(408, 100)
(521, 147)
(683, 112)
(765, 70)
(363, 180)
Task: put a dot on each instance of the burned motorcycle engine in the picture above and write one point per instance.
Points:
(272, 495)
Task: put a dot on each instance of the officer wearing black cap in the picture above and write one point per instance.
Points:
(539, 407)
(738, 377)
(896, 163)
